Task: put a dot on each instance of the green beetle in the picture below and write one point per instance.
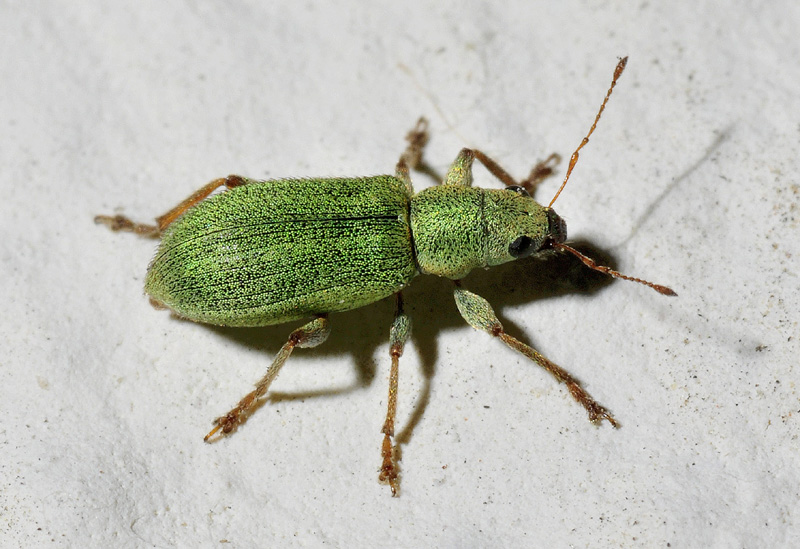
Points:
(270, 252)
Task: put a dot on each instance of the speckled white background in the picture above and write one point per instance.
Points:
(690, 180)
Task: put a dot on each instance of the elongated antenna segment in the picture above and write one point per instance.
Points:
(589, 262)
(574, 159)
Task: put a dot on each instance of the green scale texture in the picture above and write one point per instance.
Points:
(270, 252)
(450, 230)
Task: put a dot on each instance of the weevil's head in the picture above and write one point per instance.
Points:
(517, 226)
(457, 228)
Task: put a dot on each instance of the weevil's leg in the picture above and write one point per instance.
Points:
(540, 171)
(411, 159)
(480, 315)
(401, 329)
(309, 335)
(460, 172)
(201, 194)
(417, 139)
(495, 169)
(122, 223)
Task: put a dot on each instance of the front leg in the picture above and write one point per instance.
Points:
(460, 172)
(480, 315)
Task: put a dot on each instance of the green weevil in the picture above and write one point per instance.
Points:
(276, 251)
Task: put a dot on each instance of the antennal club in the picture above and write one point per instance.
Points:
(574, 159)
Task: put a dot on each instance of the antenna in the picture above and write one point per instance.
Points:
(574, 159)
(589, 262)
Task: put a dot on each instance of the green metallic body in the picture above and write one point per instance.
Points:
(269, 252)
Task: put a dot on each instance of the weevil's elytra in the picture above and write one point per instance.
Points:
(275, 252)
(269, 252)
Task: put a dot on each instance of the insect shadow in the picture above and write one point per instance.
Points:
(429, 302)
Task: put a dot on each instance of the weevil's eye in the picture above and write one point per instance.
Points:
(517, 189)
(521, 247)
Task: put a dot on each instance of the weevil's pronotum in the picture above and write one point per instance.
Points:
(269, 252)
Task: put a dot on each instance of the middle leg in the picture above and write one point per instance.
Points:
(309, 335)
(411, 159)
(401, 329)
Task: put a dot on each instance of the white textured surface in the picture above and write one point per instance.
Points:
(690, 180)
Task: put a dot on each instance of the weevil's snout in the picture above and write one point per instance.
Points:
(557, 227)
